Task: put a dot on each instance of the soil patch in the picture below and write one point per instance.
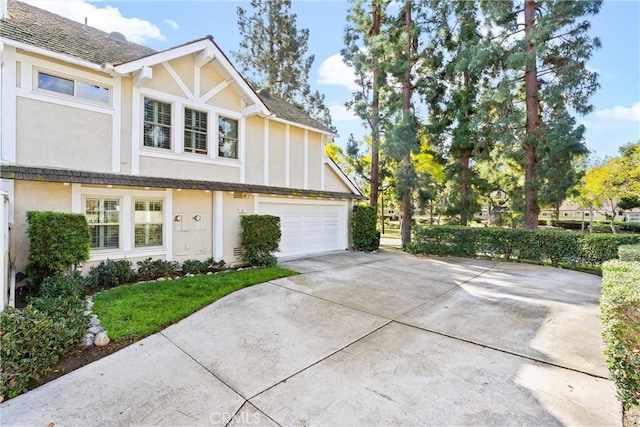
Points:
(78, 357)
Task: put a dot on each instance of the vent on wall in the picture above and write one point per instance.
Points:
(237, 252)
(239, 195)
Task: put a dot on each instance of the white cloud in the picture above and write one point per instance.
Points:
(173, 24)
(340, 113)
(106, 18)
(333, 71)
(622, 113)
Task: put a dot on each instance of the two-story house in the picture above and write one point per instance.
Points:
(162, 151)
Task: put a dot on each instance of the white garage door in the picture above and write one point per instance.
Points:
(308, 228)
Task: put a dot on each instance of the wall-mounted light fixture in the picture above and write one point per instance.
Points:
(177, 218)
(196, 217)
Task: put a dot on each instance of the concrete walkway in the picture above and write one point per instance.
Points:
(359, 340)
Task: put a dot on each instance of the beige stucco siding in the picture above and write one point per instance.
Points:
(254, 152)
(63, 137)
(228, 98)
(169, 168)
(184, 69)
(296, 157)
(332, 181)
(34, 196)
(209, 78)
(163, 82)
(192, 238)
(125, 126)
(277, 160)
(232, 209)
(315, 156)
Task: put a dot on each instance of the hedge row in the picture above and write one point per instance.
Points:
(34, 338)
(620, 314)
(535, 245)
(629, 253)
(260, 239)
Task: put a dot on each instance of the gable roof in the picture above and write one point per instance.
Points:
(37, 27)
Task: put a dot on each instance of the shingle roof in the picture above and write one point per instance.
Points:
(290, 112)
(37, 27)
(28, 173)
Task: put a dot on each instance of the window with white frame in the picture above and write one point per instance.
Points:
(227, 138)
(73, 87)
(103, 216)
(157, 123)
(195, 131)
(148, 220)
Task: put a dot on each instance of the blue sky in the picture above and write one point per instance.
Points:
(162, 24)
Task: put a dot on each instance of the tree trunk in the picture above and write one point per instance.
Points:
(590, 220)
(431, 212)
(531, 208)
(406, 115)
(582, 226)
(464, 187)
(375, 134)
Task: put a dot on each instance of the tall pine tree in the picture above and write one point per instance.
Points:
(273, 55)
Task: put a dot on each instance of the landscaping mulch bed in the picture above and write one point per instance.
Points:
(78, 357)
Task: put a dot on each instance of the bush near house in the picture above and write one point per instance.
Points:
(150, 269)
(260, 239)
(620, 314)
(363, 228)
(534, 245)
(35, 337)
(111, 273)
(57, 242)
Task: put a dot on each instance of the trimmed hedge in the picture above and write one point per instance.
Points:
(535, 245)
(629, 253)
(363, 228)
(260, 239)
(57, 242)
(620, 314)
(34, 338)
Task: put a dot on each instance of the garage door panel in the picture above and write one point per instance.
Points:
(307, 228)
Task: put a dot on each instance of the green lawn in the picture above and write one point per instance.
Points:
(136, 311)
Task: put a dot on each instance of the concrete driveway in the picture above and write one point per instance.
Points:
(359, 340)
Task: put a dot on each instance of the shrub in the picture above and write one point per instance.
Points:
(111, 273)
(629, 253)
(30, 346)
(537, 245)
(260, 239)
(620, 314)
(57, 242)
(194, 266)
(150, 268)
(363, 228)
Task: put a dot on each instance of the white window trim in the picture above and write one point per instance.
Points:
(172, 132)
(75, 98)
(127, 248)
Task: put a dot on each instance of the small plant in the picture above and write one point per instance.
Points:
(195, 266)
(151, 269)
(363, 228)
(57, 242)
(260, 239)
(111, 273)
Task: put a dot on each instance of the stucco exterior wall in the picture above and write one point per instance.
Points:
(192, 239)
(34, 196)
(163, 82)
(228, 98)
(63, 137)
(169, 168)
(125, 125)
(315, 156)
(296, 157)
(332, 182)
(277, 160)
(184, 68)
(254, 160)
(209, 78)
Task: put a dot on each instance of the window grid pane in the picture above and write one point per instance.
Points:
(148, 223)
(103, 216)
(157, 124)
(227, 138)
(195, 131)
(55, 83)
(72, 87)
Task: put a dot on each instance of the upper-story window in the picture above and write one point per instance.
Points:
(157, 123)
(72, 87)
(195, 131)
(227, 138)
